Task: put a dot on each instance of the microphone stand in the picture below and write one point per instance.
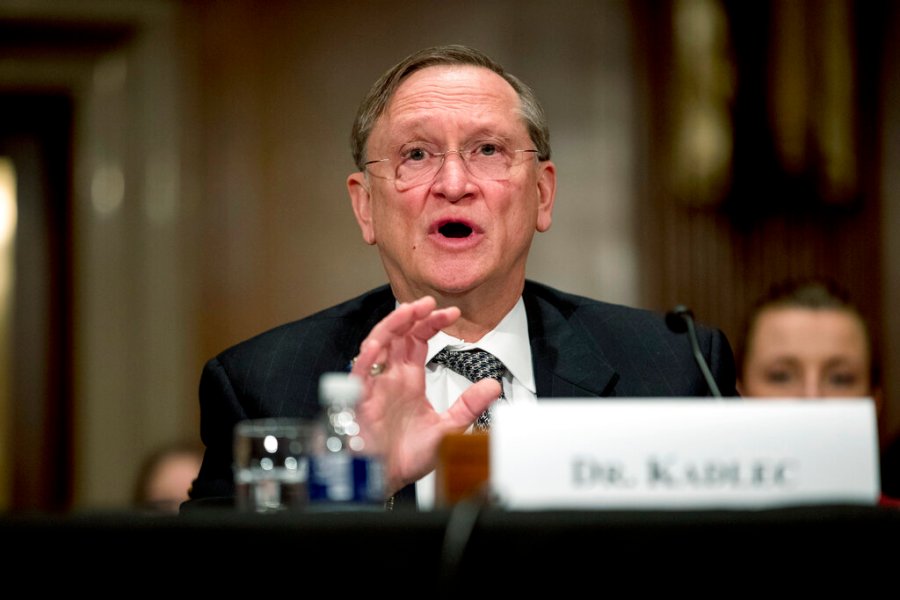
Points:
(680, 319)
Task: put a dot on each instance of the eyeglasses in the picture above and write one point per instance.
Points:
(416, 163)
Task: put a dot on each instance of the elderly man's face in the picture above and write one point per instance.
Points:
(455, 231)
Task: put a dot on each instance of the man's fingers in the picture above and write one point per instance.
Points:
(368, 355)
(419, 320)
(471, 403)
(425, 328)
(401, 320)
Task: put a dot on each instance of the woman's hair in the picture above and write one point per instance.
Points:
(809, 293)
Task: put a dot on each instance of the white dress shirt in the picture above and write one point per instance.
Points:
(510, 343)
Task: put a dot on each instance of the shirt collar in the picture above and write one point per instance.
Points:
(508, 341)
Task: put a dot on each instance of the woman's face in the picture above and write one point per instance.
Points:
(810, 353)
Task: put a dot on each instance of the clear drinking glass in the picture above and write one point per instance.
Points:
(271, 464)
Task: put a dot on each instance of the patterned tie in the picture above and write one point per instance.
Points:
(474, 365)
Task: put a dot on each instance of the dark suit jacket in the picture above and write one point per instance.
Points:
(580, 348)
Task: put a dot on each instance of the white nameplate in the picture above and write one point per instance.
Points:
(684, 453)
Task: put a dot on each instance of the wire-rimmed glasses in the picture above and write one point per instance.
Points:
(415, 163)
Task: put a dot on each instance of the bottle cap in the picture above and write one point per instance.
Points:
(343, 389)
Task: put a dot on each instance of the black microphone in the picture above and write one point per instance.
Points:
(681, 319)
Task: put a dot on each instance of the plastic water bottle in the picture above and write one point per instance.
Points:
(343, 473)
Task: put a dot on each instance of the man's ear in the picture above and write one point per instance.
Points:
(361, 199)
(546, 188)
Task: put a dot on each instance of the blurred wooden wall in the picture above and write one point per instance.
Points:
(766, 157)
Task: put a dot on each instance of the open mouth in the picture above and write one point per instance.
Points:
(455, 229)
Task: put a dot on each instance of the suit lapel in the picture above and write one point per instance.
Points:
(566, 364)
(373, 308)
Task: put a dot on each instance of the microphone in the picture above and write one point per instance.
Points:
(681, 319)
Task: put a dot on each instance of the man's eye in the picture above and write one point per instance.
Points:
(488, 149)
(415, 154)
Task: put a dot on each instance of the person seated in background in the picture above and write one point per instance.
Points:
(807, 339)
(165, 477)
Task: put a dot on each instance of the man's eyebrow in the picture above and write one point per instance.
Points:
(416, 131)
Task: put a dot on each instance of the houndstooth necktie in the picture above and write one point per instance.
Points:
(474, 365)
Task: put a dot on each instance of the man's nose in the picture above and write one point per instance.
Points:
(458, 161)
(452, 176)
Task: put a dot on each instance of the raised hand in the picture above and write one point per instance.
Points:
(397, 420)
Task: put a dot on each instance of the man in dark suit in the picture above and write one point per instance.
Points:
(454, 179)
